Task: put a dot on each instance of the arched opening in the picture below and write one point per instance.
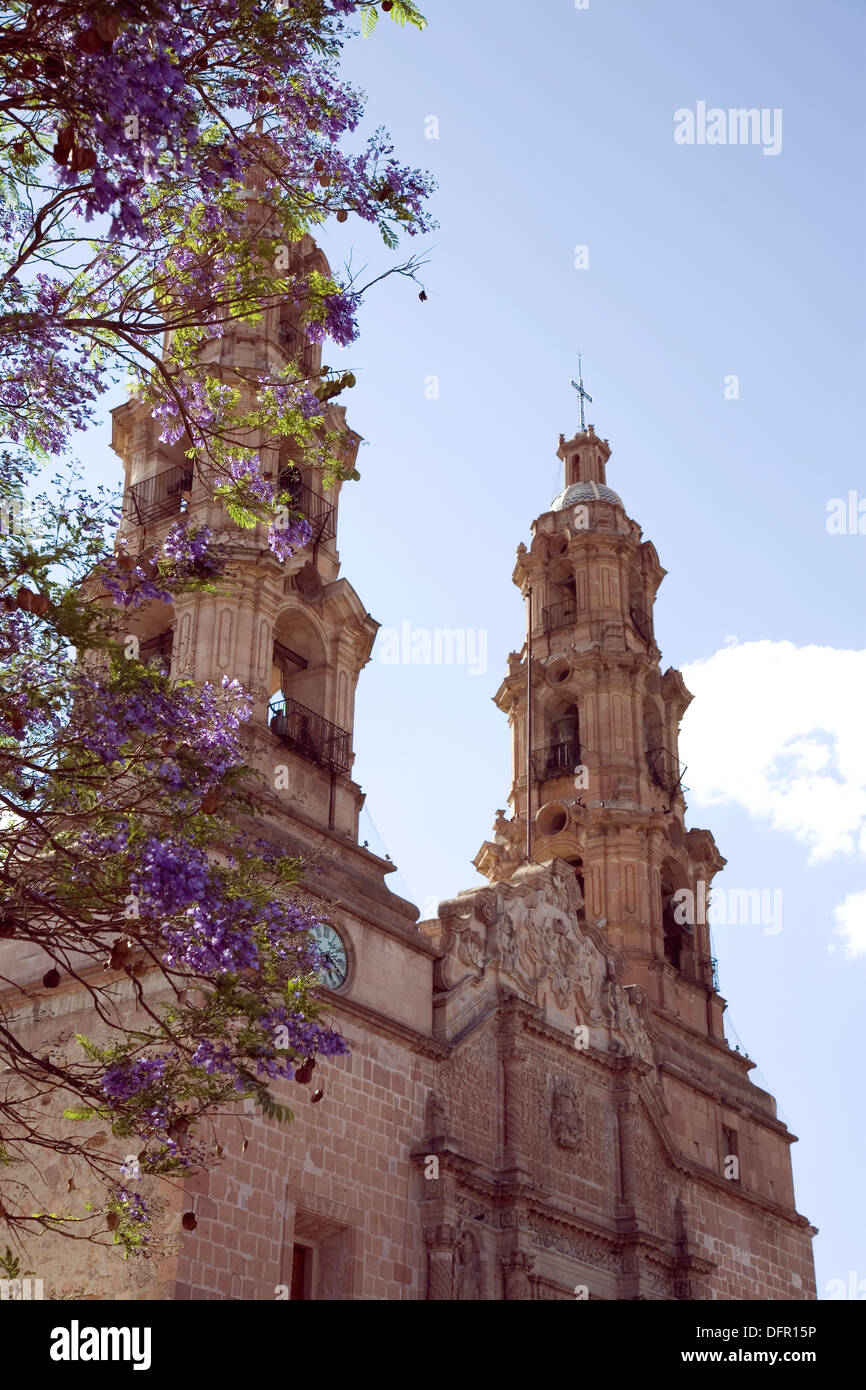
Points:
(303, 488)
(156, 637)
(641, 619)
(560, 755)
(560, 609)
(577, 865)
(299, 694)
(678, 918)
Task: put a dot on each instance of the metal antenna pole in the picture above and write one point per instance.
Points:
(529, 724)
(582, 394)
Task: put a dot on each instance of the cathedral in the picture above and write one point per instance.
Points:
(539, 1101)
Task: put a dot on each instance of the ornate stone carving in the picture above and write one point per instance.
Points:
(566, 1122)
(308, 582)
(530, 934)
(435, 1124)
(516, 1268)
(470, 1278)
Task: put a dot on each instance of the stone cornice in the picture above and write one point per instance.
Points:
(730, 1102)
(422, 1043)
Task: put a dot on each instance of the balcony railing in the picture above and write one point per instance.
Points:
(298, 345)
(159, 496)
(318, 512)
(310, 734)
(665, 770)
(704, 970)
(642, 622)
(157, 649)
(556, 760)
(558, 614)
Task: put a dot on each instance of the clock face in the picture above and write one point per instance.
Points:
(335, 962)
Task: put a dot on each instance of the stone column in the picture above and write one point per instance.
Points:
(441, 1243)
(627, 1122)
(516, 1269)
(513, 1053)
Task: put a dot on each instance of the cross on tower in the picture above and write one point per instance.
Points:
(584, 395)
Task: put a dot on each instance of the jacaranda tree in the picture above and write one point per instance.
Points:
(157, 160)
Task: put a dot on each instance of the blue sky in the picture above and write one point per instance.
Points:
(555, 130)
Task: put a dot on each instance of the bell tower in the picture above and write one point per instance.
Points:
(597, 780)
(293, 632)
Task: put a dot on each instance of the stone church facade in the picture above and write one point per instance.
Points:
(539, 1102)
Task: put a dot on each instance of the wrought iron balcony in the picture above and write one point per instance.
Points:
(556, 760)
(665, 770)
(318, 512)
(159, 496)
(297, 345)
(310, 734)
(704, 970)
(558, 614)
(642, 622)
(157, 649)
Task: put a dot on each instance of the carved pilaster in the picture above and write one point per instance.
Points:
(442, 1246)
(627, 1119)
(514, 1053)
(516, 1268)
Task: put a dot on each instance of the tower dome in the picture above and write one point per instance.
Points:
(585, 492)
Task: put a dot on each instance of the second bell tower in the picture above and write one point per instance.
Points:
(597, 780)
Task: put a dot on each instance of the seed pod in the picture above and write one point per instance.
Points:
(24, 598)
(317, 1095)
(342, 215)
(111, 1220)
(387, 5)
(211, 802)
(88, 41)
(51, 979)
(29, 67)
(53, 67)
(422, 296)
(188, 1221)
(305, 1071)
(108, 28)
(84, 158)
(319, 166)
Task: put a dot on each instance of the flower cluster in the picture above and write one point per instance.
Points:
(189, 557)
(285, 540)
(127, 1079)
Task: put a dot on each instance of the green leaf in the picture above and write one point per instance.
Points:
(369, 20)
(404, 12)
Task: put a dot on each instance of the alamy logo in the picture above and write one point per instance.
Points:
(21, 1290)
(75, 1343)
(738, 126)
(732, 907)
(419, 646)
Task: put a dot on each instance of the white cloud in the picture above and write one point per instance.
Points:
(779, 729)
(851, 923)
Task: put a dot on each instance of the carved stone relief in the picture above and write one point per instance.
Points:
(531, 934)
(566, 1122)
